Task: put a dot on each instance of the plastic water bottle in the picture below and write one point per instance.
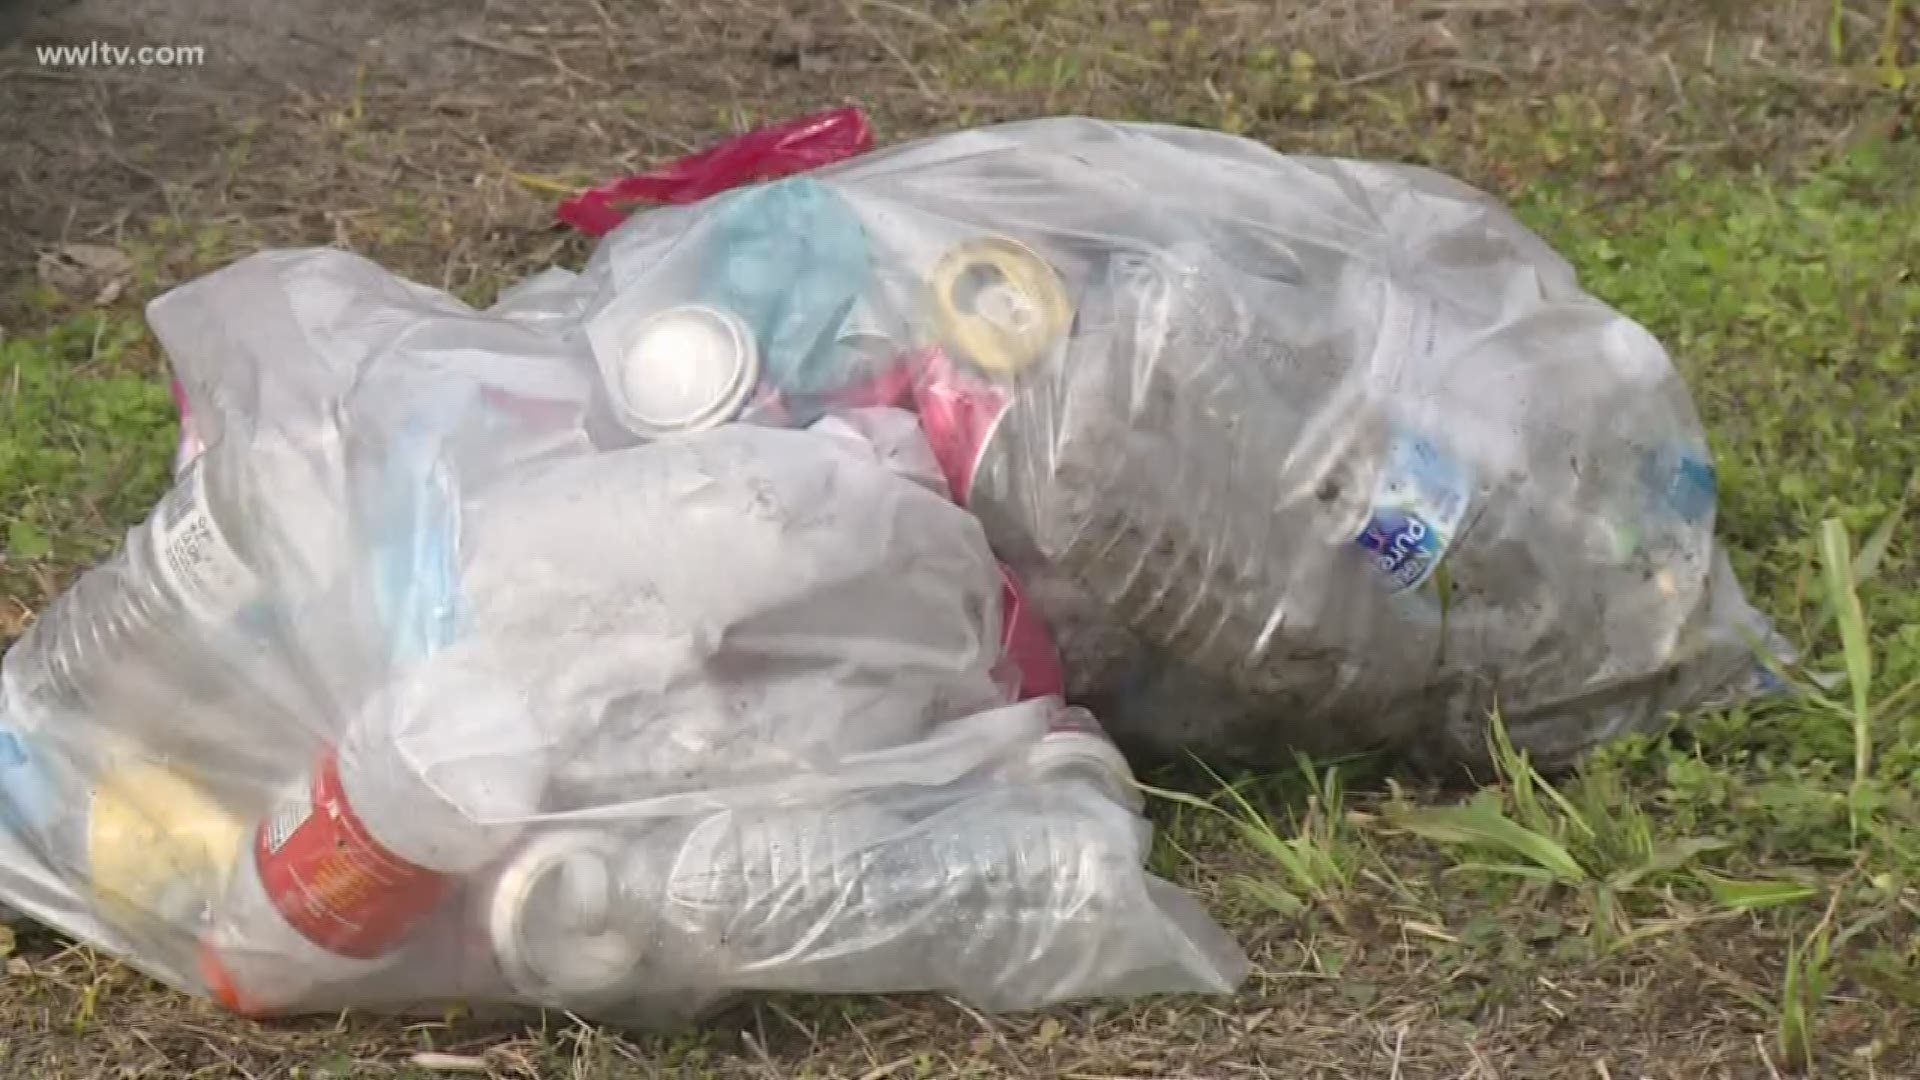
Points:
(168, 644)
(939, 888)
(1243, 482)
(959, 890)
(427, 785)
(1183, 491)
(855, 899)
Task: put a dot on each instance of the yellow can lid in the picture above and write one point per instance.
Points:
(1000, 304)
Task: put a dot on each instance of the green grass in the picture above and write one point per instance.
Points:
(86, 438)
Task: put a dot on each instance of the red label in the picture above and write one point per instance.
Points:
(959, 414)
(333, 882)
(1025, 640)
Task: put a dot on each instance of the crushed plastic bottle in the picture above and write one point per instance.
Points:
(941, 890)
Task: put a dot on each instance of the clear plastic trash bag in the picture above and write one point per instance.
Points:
(1292, 453)
(650, 637)
(411, 693)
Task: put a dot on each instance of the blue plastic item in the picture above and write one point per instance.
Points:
(791, 259)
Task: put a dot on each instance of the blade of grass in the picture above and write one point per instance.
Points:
(1834, 554)
(1307, 861)
(543, 185)
(1525, 784)
(1758, 894)
(1573, 814)
(1803, 989)
(1271, 896)
(1890, 706)
(1666, 857)
(1181, 797)
(1647, 931)
(1890, 46)
(1792, 1034)
(1866, 564)
(1534, 873)
(1481, 823)
(1872, 553)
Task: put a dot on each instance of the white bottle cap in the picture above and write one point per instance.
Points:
(553, 921)
(688, 367)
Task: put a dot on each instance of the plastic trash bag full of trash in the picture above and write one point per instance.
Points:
(1291, 452)
(742, 611)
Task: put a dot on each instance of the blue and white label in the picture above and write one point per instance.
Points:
(1680, 482)
(27, 799)
(1418, 504)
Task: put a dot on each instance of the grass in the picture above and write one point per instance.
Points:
(1741, 899)
(86, 434)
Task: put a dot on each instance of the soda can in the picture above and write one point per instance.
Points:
(1000, 304)
(686, 368)
(978, 441)
(552, 914)
(159, 848)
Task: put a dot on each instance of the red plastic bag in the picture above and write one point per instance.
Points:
(767, 153)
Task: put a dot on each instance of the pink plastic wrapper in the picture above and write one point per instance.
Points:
(190, 445)
(767, 153)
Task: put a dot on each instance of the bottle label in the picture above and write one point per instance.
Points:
(960, 415)
(1680, 483)
(195, 556)
(1418, 504)
(333, 882)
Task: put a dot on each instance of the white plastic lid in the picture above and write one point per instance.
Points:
(554, 922)
(1063, 751)
(688, 367)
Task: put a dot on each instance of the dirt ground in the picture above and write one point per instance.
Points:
(432, 137)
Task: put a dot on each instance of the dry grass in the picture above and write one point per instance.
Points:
(417, 152)
(412, 149)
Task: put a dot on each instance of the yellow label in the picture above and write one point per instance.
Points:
(159, 847)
